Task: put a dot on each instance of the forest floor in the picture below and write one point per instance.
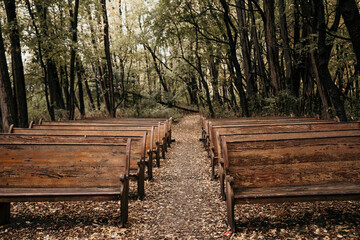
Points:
(183, 203)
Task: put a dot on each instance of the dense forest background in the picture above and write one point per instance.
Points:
(70, 59)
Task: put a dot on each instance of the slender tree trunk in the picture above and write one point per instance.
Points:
(88, 92)
(52, 76)
(296, 73)
(258, 51)
(110, 76)
(285, 44)
(17, 64)
(270, 37)
(234, 60)
(157, 68)
(324, 55)
(74, 22)
(50, 107)
(79, 72)
(245, 48)
(350, 13)
(7, 106)
(214, 73)
(65, 81)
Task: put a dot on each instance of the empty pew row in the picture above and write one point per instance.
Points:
(138, 148)
(117, 121)
(163, 131)
(291, 167)
(137, 172)
(241, 122)
(251, 129)
(158, 133)
(34, 172)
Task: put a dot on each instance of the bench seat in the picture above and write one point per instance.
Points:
(320, 192)
(55, 194)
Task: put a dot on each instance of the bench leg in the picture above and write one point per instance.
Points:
(212, 157)
(124, 202)
(4, 213)
(162, 151)
(230, 206)
(150, 165)
(157, 157)
(165, 144)
(222, 180)
(169, 140)
(141, 180)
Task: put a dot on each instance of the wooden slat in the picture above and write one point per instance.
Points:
(137, 144)
(344, 191)
(294, 162)
(93, 127)
(61, 165)
(296, 174)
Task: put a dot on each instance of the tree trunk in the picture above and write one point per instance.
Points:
(88, 92)
(110, 75)
(270, 37)
(258, 52)
(79, 72)
(50, 107)
(7, 106)
(285, 44)
(350, 13)
(234, 60)
(245, 48)
(324, 55)
(74, 22)
(17, 64)
(296, 73)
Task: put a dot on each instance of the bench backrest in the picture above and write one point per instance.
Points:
(275, 129)
(252, 121)
(150, 138)
(138, 143)
(63, 165)
(108, 120)
(302, 160)
(105, 127)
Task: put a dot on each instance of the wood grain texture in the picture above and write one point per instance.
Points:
(61, 165)
(137, 144)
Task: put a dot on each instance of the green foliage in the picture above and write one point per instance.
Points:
(283, 104)
(149, 109)
(352, 107)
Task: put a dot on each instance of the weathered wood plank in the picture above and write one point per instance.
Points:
(60, 165)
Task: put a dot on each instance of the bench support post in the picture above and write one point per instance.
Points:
(141, 179)
(124, 201)
(4, 213)
(230, 204)
(150, 165)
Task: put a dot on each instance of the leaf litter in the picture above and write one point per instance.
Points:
(182, 203)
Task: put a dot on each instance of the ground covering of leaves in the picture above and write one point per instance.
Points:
(183, 203)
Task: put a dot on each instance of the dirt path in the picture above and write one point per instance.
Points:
(181, 201)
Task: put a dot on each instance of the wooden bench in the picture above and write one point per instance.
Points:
(167, 123)
(152, 144)
(253, 121)
(138, 149)
(282, 127)
(161, 130)
(291, 168)
(34, 172)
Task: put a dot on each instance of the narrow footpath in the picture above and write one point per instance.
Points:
(182, 202)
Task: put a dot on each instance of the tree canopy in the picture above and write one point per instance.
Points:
(73, 58)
